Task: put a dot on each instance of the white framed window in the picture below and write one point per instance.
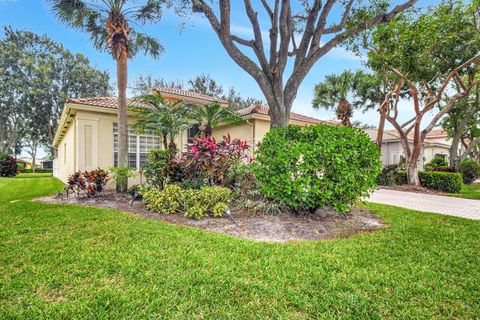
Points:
(138, 147)
(395, 157)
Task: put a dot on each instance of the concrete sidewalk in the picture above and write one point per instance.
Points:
(458, 207)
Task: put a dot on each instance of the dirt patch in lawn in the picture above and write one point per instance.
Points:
(323, 224)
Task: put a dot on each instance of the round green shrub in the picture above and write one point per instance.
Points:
(470, 170)
(315, 166)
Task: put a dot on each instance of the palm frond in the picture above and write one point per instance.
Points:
(150, 12)
(145, 43)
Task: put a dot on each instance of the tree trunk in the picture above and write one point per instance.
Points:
(122, 116)
(454, 157)
(412, 165)
(381, 129)
(165, 142)
(208, 130)
(412, 173)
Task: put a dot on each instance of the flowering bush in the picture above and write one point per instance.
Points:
(311, 167)
(207, 162)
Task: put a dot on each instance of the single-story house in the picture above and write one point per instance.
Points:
(436, 144)
(86, 137)
(27, 162)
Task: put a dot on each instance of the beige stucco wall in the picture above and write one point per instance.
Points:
(65, 162)
(89, 141)
(253, 130)
(431, 151)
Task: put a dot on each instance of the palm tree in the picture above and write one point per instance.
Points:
(210, 116)
(108, 23)
(334, 91)
(164, 118)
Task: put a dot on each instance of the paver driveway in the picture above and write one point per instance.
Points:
(465, 208)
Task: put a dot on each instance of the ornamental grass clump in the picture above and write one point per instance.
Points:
(316, 166)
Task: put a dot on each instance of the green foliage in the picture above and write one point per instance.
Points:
(37, 170)
(212, 115)
(154, 168)
(426, 45)
(470, 170)
(162, 117)
(120, 175)
(219, 209)
(193, 203)
(442, 181)
(37, 77)
(437, 162)
(110, 259)
(308, 168)
(8, 166)
(391, 175)
(167, 201)
(94, 17)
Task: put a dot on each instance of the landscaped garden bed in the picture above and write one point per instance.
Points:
(281, 227)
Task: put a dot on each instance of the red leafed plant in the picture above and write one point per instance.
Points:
(207, 162)
(89, 182)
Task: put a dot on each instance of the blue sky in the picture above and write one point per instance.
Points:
(188, 53)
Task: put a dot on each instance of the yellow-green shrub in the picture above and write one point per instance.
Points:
(167, 201)
(193, 203)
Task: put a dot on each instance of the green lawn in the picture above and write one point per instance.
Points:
(468, 192)
(63, 261)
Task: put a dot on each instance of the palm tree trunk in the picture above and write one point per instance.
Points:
(165, 142)
(208, 130)
(122, 116)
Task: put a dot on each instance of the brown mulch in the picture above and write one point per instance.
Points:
(324, 224)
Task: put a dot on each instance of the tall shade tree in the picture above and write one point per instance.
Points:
(435, 55)
(210, 116)
(299, 34)
(462, 124)
(37, 77)
(109, 24)
(162, 117)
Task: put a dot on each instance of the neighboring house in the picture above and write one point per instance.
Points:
(27, 162)
(86, 137)
(436, 144)
(257, 124)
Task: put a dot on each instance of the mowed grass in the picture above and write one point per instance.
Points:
(468, 192)
(72, 262)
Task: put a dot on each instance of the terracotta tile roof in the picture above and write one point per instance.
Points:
(105, 102)
(189, 94)
(431, 134)
(438, 133)
(263, 110)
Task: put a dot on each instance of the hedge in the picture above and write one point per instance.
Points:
(437, 180)
(37, 170)
(441, 181)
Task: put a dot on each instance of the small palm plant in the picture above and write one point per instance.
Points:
(334, 92)
(162, 117)
(210, 116)
(108, 23)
